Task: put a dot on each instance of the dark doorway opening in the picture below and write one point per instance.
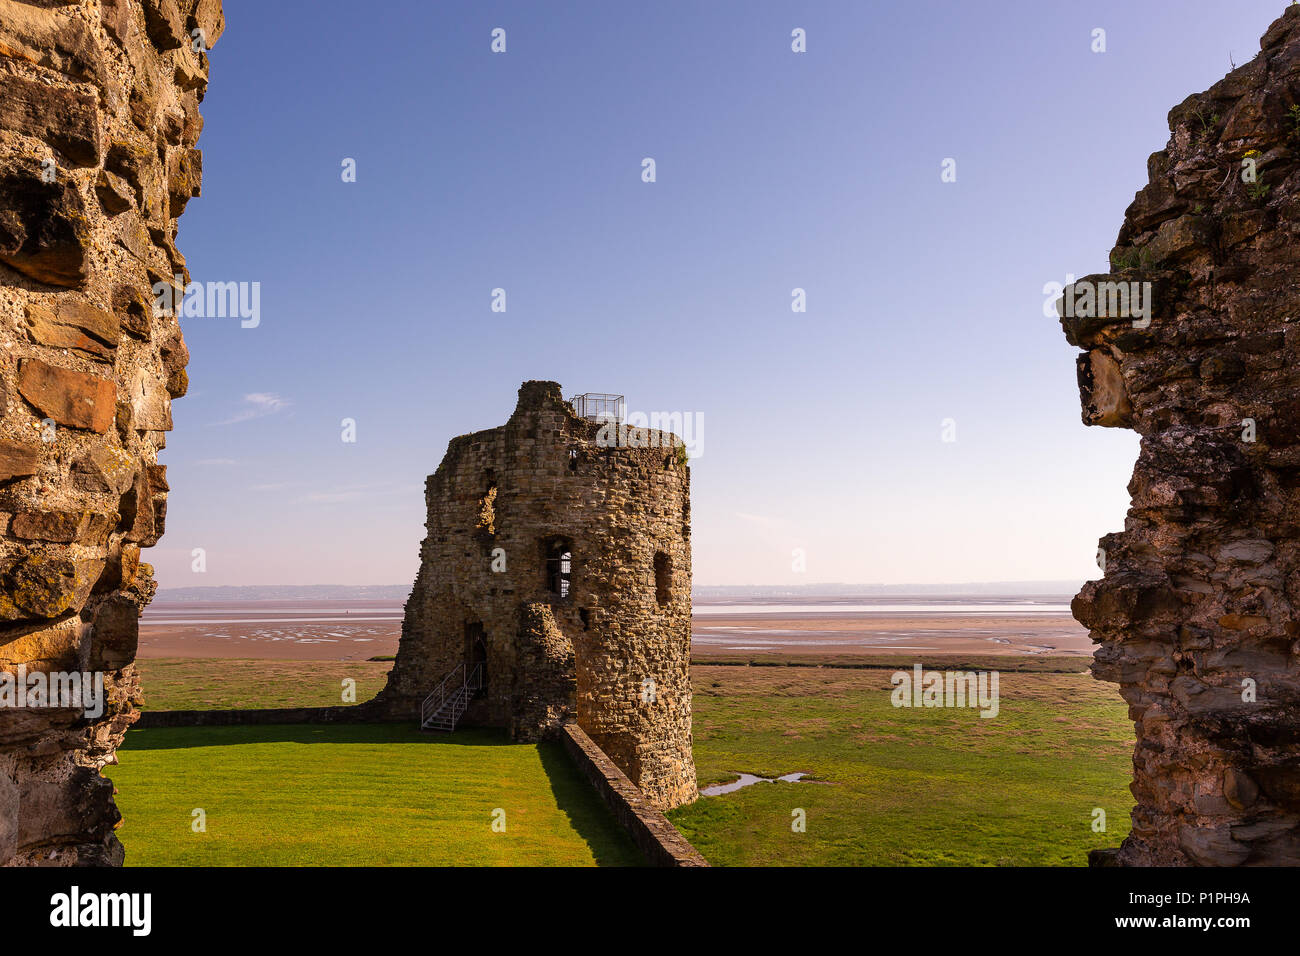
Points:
(476, 662)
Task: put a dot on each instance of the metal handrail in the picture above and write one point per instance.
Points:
(432, 706)
(440, 697)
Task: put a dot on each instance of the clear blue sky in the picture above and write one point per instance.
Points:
(775, 170)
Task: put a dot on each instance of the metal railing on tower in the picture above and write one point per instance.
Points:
(599, 406)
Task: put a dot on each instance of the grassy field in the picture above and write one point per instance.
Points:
(906, 786)
(380, 795)
(893, 786)
(181, 684)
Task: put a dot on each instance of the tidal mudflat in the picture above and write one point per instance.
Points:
(356, 630)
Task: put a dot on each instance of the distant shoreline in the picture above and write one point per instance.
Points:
(701, 594)
(339, 625)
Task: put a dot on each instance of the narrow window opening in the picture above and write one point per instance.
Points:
(585, 615)
(573, 459)
(663, 578)
(559, 567)
(487, 510)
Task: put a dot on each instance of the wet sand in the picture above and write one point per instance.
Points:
(892, 633)
(357, 630)
(283, 630)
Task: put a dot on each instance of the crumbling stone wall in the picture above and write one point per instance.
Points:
(99, 116)
(614, 653)
(1196, 612)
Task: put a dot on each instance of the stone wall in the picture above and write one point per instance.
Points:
(266, 717)
(99, 116)
(615, 652)
(1196, 612)
(653, 833)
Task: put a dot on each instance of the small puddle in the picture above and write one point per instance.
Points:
(746, 780)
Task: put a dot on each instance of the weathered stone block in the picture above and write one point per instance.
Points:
(18, 459)
(49, 38)
(208, 16)
(184, 174)
(64, 119)
(165, 23)
(74, 324)
(71, 398)
(60, 809)
(8, 818)
(114, 192)
(61, 526)
(44, 231)
(176, 355)
(134, 310)
(120, 570)
(137, 515)
(151, 407)
(1101, 386)
(104, 469)
(117, 17)
(115, 634)
(37, 585)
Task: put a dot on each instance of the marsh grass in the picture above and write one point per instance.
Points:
(906, 786)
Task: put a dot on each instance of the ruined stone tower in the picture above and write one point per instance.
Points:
(558, 564)
(1196, 615)
(99, 116)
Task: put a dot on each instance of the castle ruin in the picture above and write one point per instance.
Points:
(556, 572)
(1196, 614)
(555, 584)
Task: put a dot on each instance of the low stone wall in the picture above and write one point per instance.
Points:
(650, 830)
(358, 714)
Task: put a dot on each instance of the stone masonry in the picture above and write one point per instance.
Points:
(99, 116)
(558, 557)
(1195, 616)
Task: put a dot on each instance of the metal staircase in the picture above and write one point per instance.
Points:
(449, 700)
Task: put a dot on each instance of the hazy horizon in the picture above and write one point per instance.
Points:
(829, 588)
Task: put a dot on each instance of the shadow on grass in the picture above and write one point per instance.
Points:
(183, 738)
(590, 818)
(586, 813)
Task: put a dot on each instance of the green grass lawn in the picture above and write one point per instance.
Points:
(896, 786)
(906, 786)
(375, 795)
